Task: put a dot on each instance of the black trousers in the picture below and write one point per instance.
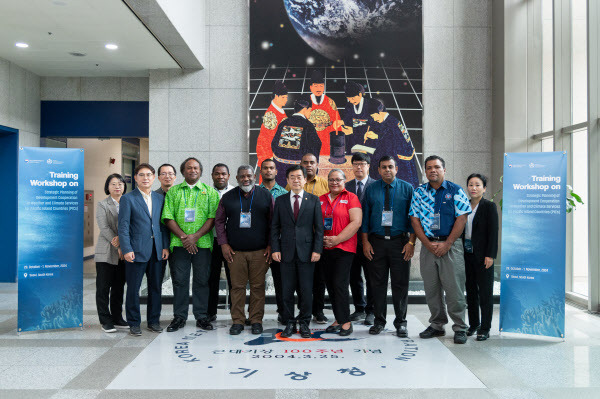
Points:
(318, 291)
(297, 275)
(388, 262)
(336, 264)
(357, 286)
(110, 286)
(134, 273)
(182, 263)
(480, 292)
(217, 261)
(276, 273)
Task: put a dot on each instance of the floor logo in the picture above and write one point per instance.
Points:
(273, 335)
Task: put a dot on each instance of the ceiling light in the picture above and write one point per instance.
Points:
(111, 46)
(22, 45)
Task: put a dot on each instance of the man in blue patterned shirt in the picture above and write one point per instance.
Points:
(438, 213)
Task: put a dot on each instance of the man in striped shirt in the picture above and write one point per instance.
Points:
(438, 213)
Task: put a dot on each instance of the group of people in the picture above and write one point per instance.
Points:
(314, 234)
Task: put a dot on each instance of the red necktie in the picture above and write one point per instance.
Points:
(296, 206)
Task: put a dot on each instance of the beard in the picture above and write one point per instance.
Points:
(247, 188)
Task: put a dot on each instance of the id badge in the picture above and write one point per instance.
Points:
(435, 225)
(190, 215)
(387, 217)
(328, 223)
(245, 220)
(468, 246)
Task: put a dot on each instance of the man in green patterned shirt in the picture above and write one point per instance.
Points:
(189, 213)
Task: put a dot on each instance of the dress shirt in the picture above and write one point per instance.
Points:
(223, 191)
(469, 226)
(292, 199)
(401, 195)
(148, 200)
(117, 204)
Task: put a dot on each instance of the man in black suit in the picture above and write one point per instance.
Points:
(362, 309)
(297, 242)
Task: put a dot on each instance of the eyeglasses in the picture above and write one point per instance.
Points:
(142, 175)
(337, 181)
(117, 184)
(295, 177)
(165, 174)
(360, 164)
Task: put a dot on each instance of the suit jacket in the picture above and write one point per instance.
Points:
(351, 186)
(107, 217)
(137, 230)
(484, 234)
(303, 236)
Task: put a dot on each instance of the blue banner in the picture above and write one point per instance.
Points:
(50, 271)
(532, 298)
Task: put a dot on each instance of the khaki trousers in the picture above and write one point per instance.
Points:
(248, 266)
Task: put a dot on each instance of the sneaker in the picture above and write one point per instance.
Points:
(155, 328)
(358, 315)
(431, 332)
(320, 318)
(121, 325)
(460, 337)
(108, 328)
(135, 331)
(369, 319)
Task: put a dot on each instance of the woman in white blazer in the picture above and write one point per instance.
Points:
(110, 266)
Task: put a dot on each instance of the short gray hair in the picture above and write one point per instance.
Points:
(336, 170)
(245, 167)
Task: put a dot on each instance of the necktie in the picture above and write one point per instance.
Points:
(359, 191)
(296, 206)
(386, 206)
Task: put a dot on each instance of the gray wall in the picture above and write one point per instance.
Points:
(20, 102)
(204, 113)
(457, 94)
(94, 89)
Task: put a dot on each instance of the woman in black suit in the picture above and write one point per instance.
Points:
(481, 247)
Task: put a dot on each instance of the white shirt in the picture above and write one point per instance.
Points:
(364, 182)
(293, 199)
(360, 106)
(314, 99)
(148, 200)
(226, 189)
(277, 108)
(469, 226)
(116, 203)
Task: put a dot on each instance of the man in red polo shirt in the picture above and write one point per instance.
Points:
(342, 217)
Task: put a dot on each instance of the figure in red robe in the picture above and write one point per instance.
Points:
(271, 120)
(324, 111)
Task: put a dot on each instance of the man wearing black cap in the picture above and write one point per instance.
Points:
(324, 112)
(295, 137)
(356, 119)
(271, 119)
(393, 140)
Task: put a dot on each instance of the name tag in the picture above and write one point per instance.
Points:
(189, 215)
(328, 223)
(387, 217)
(343, 201)
(245, 220)
(468, 246)
(436, 225)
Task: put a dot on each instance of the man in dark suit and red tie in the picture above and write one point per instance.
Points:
(297, 242)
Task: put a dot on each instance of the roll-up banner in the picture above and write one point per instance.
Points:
(50, 271)
(532, 299)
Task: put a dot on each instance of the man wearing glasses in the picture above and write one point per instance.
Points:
(362, 309)
(166, 177)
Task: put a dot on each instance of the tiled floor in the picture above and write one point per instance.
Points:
(81, 364)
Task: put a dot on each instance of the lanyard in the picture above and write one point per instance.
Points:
(335, 204)
(185, 198)
(251, 199)
(391, 198)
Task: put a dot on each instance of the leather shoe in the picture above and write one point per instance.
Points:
(135, 331)
(431, 332)
(204, 324)
(176, 324)
(376, 329)
(369, 319)
(482, 335)
(402, 332)
(280, 319)
(320, 318)
(155, 328)
(345, 333)
(236, 329)
(304, 330)
(358, 315)
(472, 330)
(460, 337)
(212, 317)
(333, 329)
(257, 328)
(290, 329)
